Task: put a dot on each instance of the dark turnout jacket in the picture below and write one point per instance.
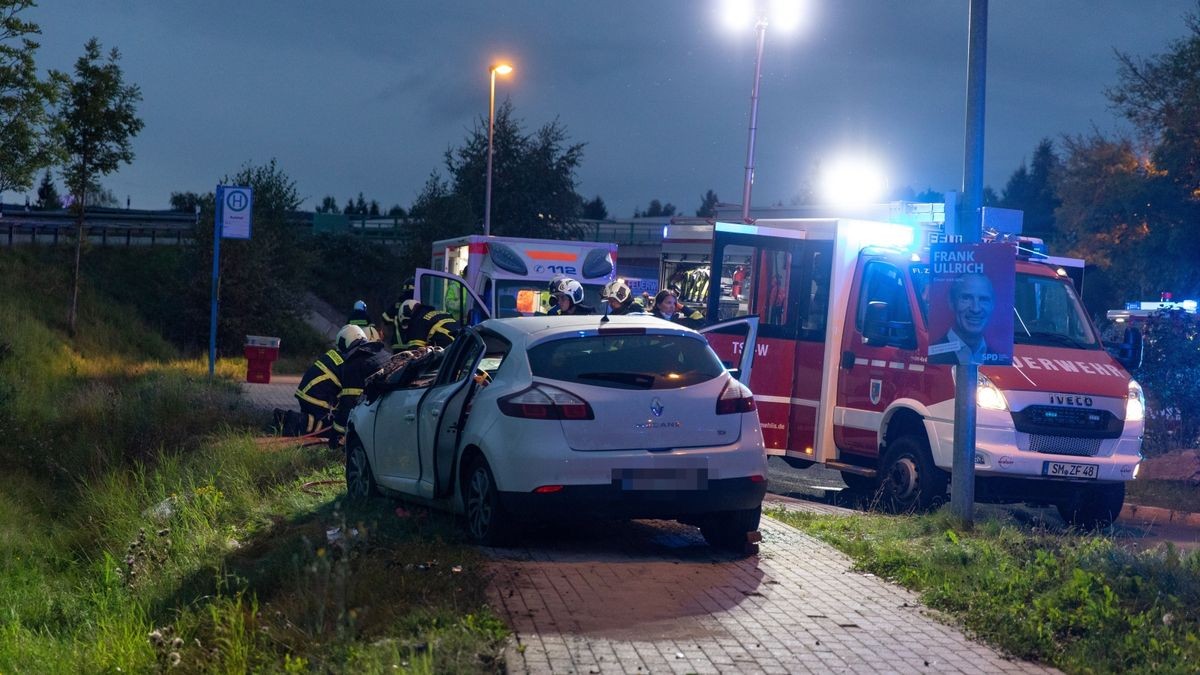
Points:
(361, 361)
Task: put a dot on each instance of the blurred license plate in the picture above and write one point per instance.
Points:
(1070, 470)
(661, 479)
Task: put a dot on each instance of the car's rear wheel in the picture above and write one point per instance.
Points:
(360, 480)
(1093, 507)
(729, 530)
(487, 523)
(909, 480)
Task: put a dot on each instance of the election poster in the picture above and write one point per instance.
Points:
(971, 303)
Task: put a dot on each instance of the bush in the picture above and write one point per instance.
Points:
(1169, 372)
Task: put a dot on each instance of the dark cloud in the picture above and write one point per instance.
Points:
(367, 96)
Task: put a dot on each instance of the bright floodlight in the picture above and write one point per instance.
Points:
(853, 181)
(503, 68)
(786, 14)
(737, 14)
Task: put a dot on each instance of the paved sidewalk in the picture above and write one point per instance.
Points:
(652, 597)
(280, 393)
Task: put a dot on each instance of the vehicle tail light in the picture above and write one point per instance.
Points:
(543, 402)
(758, 478)
(735, 398)
(547, 489)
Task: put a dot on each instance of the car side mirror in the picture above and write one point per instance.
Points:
(1130, 350)
(875, 330)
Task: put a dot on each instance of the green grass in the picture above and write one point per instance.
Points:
(142, 528)
(1168, 494)
(1079, 603)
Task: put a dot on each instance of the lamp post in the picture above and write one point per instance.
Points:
(503, 69)
(760, 26)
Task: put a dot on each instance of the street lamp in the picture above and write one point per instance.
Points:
(503, 69)
(784, 12)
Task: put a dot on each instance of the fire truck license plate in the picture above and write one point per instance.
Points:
(1070, 470)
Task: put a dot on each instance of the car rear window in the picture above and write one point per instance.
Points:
(627, 361)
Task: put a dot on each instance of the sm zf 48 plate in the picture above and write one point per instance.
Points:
(1070, 470)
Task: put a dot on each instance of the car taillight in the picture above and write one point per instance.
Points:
(543, 402)
(735, 398)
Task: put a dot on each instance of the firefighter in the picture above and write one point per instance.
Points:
(322, 382)
(620, 298)
(425, 326)
(552, 300)
(362, 358)
(570, 299)
(392, 320)
(359, 317)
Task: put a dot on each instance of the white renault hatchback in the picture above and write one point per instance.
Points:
(545, 417)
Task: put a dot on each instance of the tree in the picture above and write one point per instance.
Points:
(263, 279)
(594, 209)
(397, 211)
(374, 209)
(533, 178)
(442, 213)
(97, 123)
(47, 194)
(348, 209)
(328, 205)
(708, 205)
(1032, 191)
(656, 210)
(26, 123)
(360, 206)
(185, 201)
(929, 196)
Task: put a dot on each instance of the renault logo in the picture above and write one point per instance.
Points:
(656, 407)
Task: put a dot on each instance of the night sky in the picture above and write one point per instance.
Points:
(368, 95)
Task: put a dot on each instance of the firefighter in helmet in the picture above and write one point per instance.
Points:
(620, 298)
(322, 382)
(425, 326)
(362, 357)
(570, 299)
(391, 317)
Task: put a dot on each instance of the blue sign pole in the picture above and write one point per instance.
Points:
(216, 276)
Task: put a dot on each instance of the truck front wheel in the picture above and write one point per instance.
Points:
(909, 480)
(1093, 507)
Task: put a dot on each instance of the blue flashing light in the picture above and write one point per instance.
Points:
(1188, 305)
(889, 235)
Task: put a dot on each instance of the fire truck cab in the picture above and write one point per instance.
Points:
(853, 389)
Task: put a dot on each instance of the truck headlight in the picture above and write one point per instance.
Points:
(1135, 404)
(987, 396)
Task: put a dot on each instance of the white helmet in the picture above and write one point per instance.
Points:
(348, 335)
(616, 290)
(571, 289)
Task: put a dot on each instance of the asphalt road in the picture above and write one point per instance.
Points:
(820, 484)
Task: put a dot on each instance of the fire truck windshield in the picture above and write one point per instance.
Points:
(1046, 311)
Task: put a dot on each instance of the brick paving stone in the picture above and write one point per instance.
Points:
(652, 597)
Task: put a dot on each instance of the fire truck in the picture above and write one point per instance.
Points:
(853, 390)
(511, 274)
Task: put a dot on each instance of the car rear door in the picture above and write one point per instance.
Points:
(443, 412)
(450, 293)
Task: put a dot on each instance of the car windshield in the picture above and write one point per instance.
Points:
(627, 361)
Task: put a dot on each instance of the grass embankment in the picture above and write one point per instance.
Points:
(142, 528)
(1180, 495)
(1080, 603)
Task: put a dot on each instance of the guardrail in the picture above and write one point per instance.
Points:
(150, 228)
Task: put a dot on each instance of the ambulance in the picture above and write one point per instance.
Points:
(841, 378)
(511, 274)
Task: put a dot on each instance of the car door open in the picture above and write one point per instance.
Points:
(442, 414)
(734, 342)
(450, 293)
